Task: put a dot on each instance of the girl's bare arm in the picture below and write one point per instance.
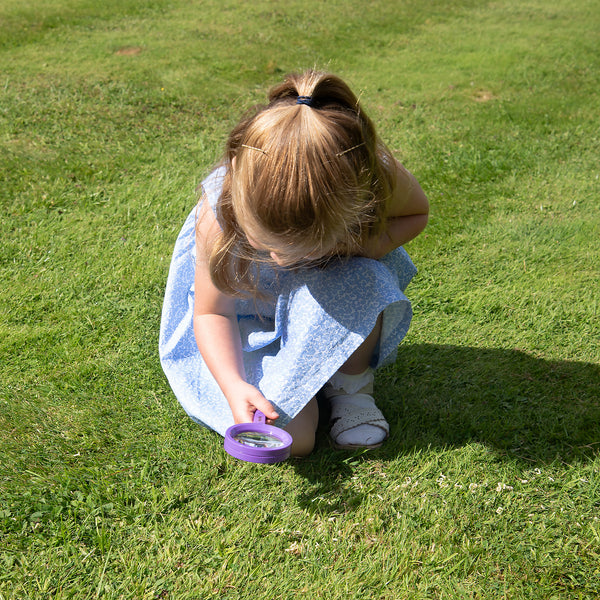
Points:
(217, 333)
(407, 216)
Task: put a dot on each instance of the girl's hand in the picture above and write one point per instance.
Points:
(406, 217)
(244, 400)
(398, 231)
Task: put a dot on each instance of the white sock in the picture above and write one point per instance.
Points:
(363, 435)
(351, 384)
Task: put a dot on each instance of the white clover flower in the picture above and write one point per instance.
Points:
(501, 487)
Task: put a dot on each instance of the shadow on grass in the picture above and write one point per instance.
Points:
(524, 408)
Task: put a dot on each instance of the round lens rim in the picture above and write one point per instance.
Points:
(254, 454)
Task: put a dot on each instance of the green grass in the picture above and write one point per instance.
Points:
(489, 487)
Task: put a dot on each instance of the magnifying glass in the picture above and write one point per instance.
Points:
(258, 442)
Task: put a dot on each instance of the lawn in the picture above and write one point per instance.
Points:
(489, 486)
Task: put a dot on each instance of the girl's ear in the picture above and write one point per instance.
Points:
(276, 258)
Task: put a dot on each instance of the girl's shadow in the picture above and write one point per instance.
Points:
(525, 408)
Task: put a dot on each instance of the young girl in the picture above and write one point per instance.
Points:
(288, 277)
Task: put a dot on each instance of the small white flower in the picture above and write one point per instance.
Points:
(501, 487)
(294, 548)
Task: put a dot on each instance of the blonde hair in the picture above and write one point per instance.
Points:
(310, 181)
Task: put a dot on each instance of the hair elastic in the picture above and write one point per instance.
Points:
(304, 100)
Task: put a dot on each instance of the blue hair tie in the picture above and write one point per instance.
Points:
(304, 100)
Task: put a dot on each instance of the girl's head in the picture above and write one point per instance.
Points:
(308, 180)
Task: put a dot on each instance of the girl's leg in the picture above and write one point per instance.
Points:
(361, 359)
(303, 428)
(356, 422)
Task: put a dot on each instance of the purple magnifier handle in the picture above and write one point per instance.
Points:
(258, 442)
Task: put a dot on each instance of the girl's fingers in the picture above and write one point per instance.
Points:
(262, 404)
(248, 401)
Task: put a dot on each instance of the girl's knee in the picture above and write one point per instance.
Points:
(303, 445)
(303, 429)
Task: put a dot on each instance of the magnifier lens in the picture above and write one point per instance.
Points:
(258, 440)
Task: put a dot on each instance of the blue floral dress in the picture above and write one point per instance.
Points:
(292, 345)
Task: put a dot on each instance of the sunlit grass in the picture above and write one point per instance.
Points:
(110, 114)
